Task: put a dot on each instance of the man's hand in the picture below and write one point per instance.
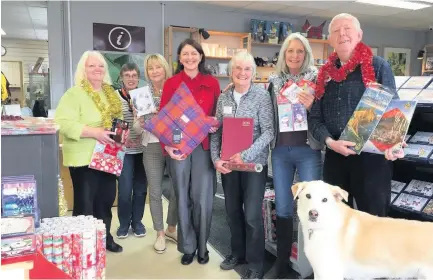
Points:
(236, 158)
(172, 153)
(219, 165)
(341, 146)
(306, 99)
(393, 155)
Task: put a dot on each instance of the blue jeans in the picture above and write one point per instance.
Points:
(285, 161)
(132, 190)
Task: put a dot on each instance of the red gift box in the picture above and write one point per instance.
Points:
(108, 158)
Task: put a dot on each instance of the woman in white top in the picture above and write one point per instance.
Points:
(157, 72)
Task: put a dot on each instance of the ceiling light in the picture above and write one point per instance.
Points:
(3, 33)
(396, 4)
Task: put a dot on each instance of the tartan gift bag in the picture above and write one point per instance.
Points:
(108, 158)
(182, 112)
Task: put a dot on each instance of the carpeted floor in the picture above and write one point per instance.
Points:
(220, 234)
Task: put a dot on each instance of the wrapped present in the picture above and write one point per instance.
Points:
(182, 113)
(108, 158)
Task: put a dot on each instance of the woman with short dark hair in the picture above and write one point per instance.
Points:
(132, 182)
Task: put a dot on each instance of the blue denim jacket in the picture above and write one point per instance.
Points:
(329, 115)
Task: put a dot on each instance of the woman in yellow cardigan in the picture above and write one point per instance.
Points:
(85, 114)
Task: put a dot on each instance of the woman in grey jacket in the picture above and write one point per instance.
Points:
(244, 191)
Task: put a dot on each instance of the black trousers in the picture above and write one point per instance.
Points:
(366, 177)
(243, 193)
(94, 194)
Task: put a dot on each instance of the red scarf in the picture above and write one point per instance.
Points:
(362, 55)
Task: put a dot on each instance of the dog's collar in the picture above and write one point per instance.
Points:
(310, 233)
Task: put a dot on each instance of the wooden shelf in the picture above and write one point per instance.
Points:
(219, 57)
(311, 40)
(226, 33)
(265, 67)
(265, 44)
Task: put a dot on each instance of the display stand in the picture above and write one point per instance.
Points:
(35, 154)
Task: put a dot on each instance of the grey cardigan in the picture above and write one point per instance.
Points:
(256, 104)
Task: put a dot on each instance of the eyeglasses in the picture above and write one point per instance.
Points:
(130, 77)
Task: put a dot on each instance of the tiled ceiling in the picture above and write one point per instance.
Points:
(24, 19)
(28, 19)
(373, 15)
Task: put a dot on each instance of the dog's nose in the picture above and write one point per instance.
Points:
(313, 213)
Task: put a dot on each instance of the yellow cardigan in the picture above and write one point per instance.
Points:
(76, 109)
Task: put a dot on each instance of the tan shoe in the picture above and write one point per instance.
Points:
(171, 236)
(159, 245)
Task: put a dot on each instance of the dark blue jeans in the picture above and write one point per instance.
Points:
(132, 190)
(285, 161)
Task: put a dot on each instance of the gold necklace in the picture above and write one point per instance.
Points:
(110, 111)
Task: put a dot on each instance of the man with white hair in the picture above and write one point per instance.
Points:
(341, 83)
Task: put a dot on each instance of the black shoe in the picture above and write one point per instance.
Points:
(230, 262)
(114, 247)
(187, 259)
(251, 274)
(203, 260)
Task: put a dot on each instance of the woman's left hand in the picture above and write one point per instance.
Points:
(236, 158)
(306, 99)
(390, 155)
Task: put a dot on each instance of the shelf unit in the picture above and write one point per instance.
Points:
(168, 40)
(235, 40)
(408, 168)
(428, 52)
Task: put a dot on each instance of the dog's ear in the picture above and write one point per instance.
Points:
(296, 189)
(339, 193)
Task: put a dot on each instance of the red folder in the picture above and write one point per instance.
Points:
(237, 136)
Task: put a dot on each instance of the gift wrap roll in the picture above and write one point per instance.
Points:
(247, 167)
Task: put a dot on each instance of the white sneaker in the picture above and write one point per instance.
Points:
(159, 245)
(171, 236)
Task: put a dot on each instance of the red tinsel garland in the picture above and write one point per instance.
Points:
(362, 55)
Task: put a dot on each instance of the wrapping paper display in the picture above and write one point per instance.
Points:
(182, 113)
(108, 158)
(18, 196)
(75, 245)
(29, 125)
(19, 215)
(247, 167)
